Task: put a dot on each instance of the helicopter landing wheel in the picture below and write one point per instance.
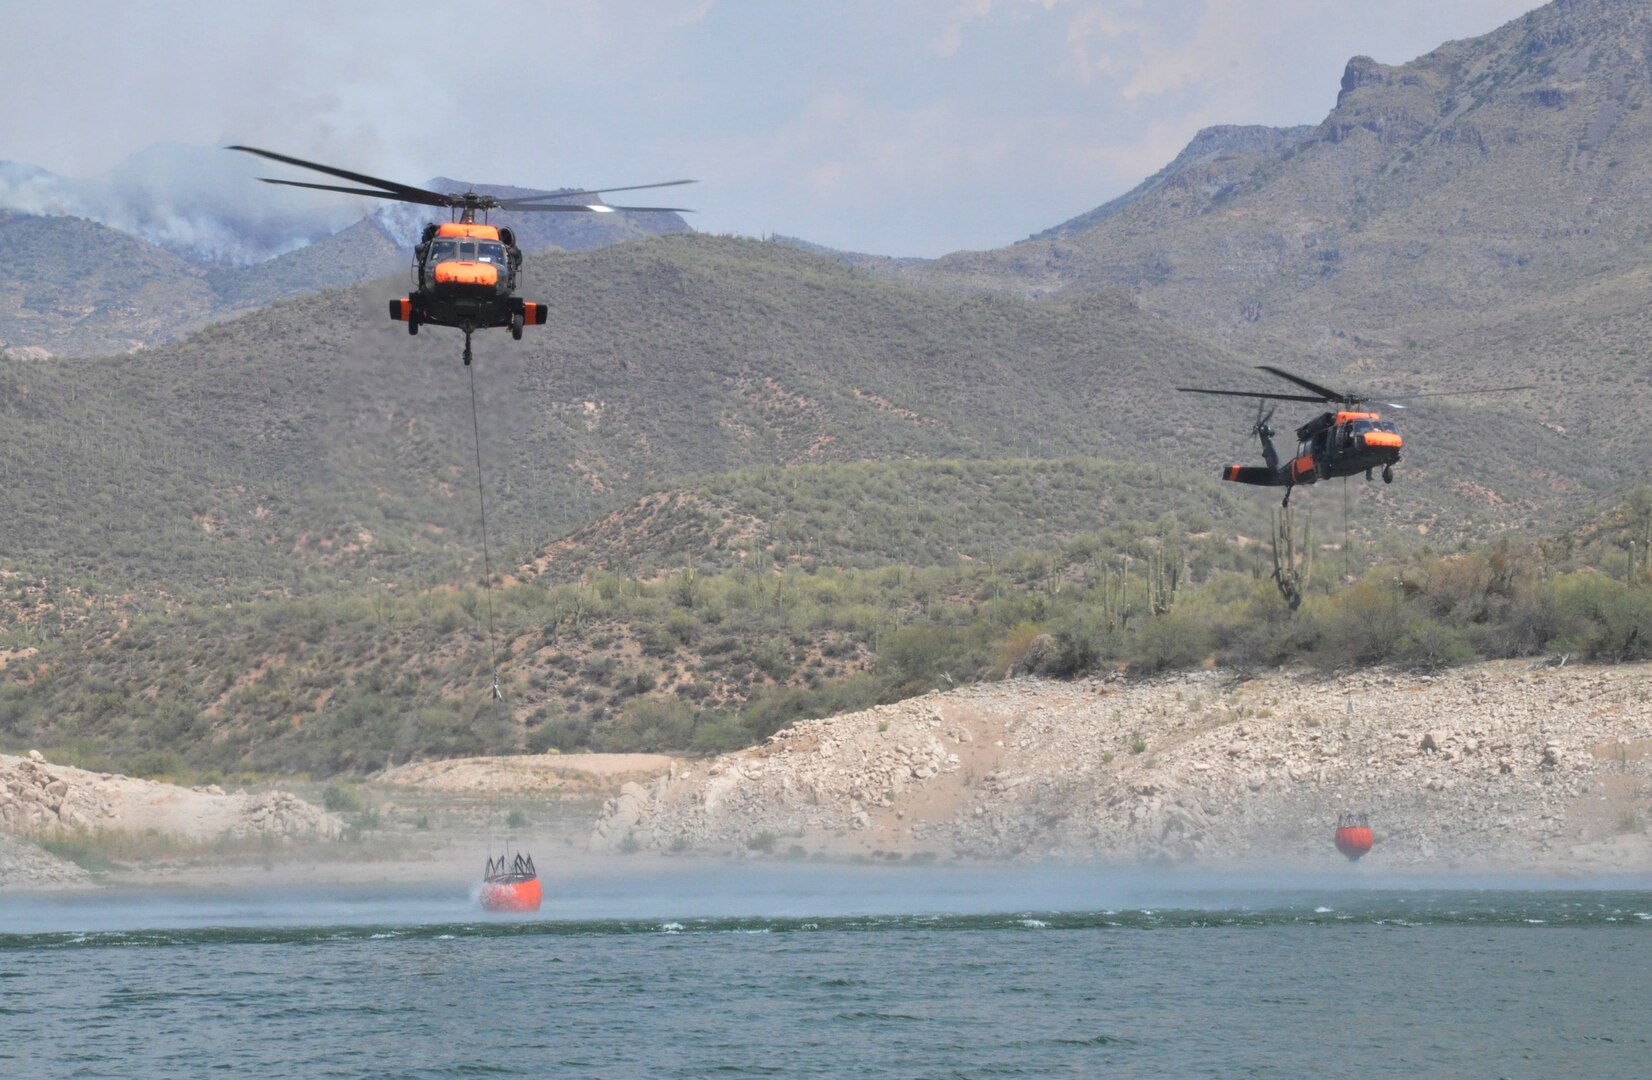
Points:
(1388, 474)
(413, 324)
(516, 326)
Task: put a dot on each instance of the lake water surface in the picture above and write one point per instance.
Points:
(839, 971)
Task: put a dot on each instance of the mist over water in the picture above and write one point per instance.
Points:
(718, 893)
(751, 969)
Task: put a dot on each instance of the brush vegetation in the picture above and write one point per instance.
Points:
(737, 643)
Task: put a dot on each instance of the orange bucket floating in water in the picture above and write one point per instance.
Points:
(1353, 837)
(511, 884)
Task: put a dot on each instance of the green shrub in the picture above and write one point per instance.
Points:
(682, 627)
(770, 712)
(1577, 601)
(340, 799)
(1430, 646)
(1625, 621)
(1176, 639)
(1362, 624)
(918, 653)
(647, 724)
(1017, 651)
(719, 733)
(153, 763)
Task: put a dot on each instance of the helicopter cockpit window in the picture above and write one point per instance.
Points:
(491, 253)
(467, 251)
(443, 251)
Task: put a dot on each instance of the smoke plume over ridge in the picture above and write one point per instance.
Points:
(203, 203)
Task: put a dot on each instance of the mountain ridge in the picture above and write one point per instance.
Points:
(1489, 190)
(667, 358)
(246, 247)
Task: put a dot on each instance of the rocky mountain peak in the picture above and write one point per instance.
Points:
(1361, 71)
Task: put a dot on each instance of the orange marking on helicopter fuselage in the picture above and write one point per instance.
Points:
(466, 273)
(1344, 417)
(1383, 439)
(1303, 466)
(467, 229)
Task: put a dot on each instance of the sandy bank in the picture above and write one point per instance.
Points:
(528, 774)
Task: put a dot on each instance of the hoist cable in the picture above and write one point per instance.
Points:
(482, 503)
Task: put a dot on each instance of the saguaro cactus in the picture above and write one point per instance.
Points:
(1164, 574)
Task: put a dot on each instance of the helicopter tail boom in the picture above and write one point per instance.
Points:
(1259, 475)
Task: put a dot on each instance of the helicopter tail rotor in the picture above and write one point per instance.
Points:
(1260, 427)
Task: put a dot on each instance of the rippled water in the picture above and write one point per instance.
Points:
(1166, 979)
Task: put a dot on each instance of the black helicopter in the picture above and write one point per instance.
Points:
(1341, 443)
(464, 271)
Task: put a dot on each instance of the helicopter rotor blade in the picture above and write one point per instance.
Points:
(1454, 393)
(512, 203)
(1325, 393)
(595, 208)
(1248, 394)
(357, 191)
(403, 192)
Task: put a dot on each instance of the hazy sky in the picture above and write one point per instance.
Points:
(905, 127)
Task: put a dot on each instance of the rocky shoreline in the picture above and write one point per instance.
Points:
(40, 799)
(1509, 765)
(25, 865)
